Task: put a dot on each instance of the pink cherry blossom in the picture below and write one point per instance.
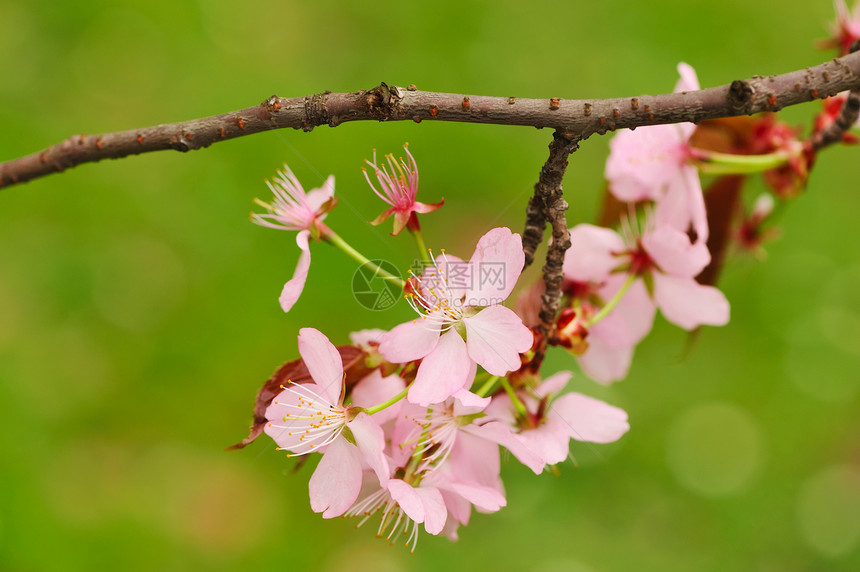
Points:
(439, 478)
(670, 261)
(306, 418)
(469, 476)
(294, 209)
(543, 436)
(846, 29)
(403, 507)
(399, 189)
(652, 163)
(458, 300)
(589, 277)
(433, 432)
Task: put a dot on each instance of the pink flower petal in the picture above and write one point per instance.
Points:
(689, 81)
(590, 256)
(642, 163)
(485, 499)
(698, 212)
(469, 403)
(500, 433)
(474, 459)
(550, 440)
(421, 504)
(370, 440)
(674, 254)
(400, 219)
(375, 389)
(286, 432)
(459, 508)
(688, 304)
(383, 217)
(553, 384)
(336, 482)
(317, 197)
(450, 276)
(589, 419)
(427, 207)
(363, 338)
(496, 337)
(293, 288)
(435, 512)
(605, 364)
(443, 372)
(631, 320)
(496, 266)
(406, 433)
(410, 340)
(323, 362)
(683, 203)
(501, 409)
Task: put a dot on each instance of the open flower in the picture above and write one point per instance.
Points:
(462, 321)
(541, 436)
(666, 262)
(846, 29)
(306, 418)
(403, 507)
(653, 163)
(294, 209)
(399, 188)
(438, 479)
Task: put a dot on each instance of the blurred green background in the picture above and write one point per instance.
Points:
(139, 314)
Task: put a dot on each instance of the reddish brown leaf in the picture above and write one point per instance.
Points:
(726, 135)
(297, 372)
(722, 200)
(612, 209)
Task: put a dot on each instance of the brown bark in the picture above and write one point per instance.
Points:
(391, 103)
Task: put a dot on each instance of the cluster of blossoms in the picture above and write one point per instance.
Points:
(409, 422)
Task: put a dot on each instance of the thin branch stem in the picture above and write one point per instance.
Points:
(335, 240)
(582, 117)
(547, 205)
(836, 130)
(388, 403)
(847, 116)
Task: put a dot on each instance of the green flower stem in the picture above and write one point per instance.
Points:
(715, 163)
(335, 240)
(484, 390)
(385, 404)
(518, 405)
(422, 248)
(609, 306)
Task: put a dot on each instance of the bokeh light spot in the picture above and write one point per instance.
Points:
(715, 449)
(828, 510)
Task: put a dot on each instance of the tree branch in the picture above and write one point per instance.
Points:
(582, 117)
(846, 119)
(548, 205)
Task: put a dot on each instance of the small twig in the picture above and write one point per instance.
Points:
(583, 117)
(846, 119)
(834, 132)
(535, 226)
(548, 205)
